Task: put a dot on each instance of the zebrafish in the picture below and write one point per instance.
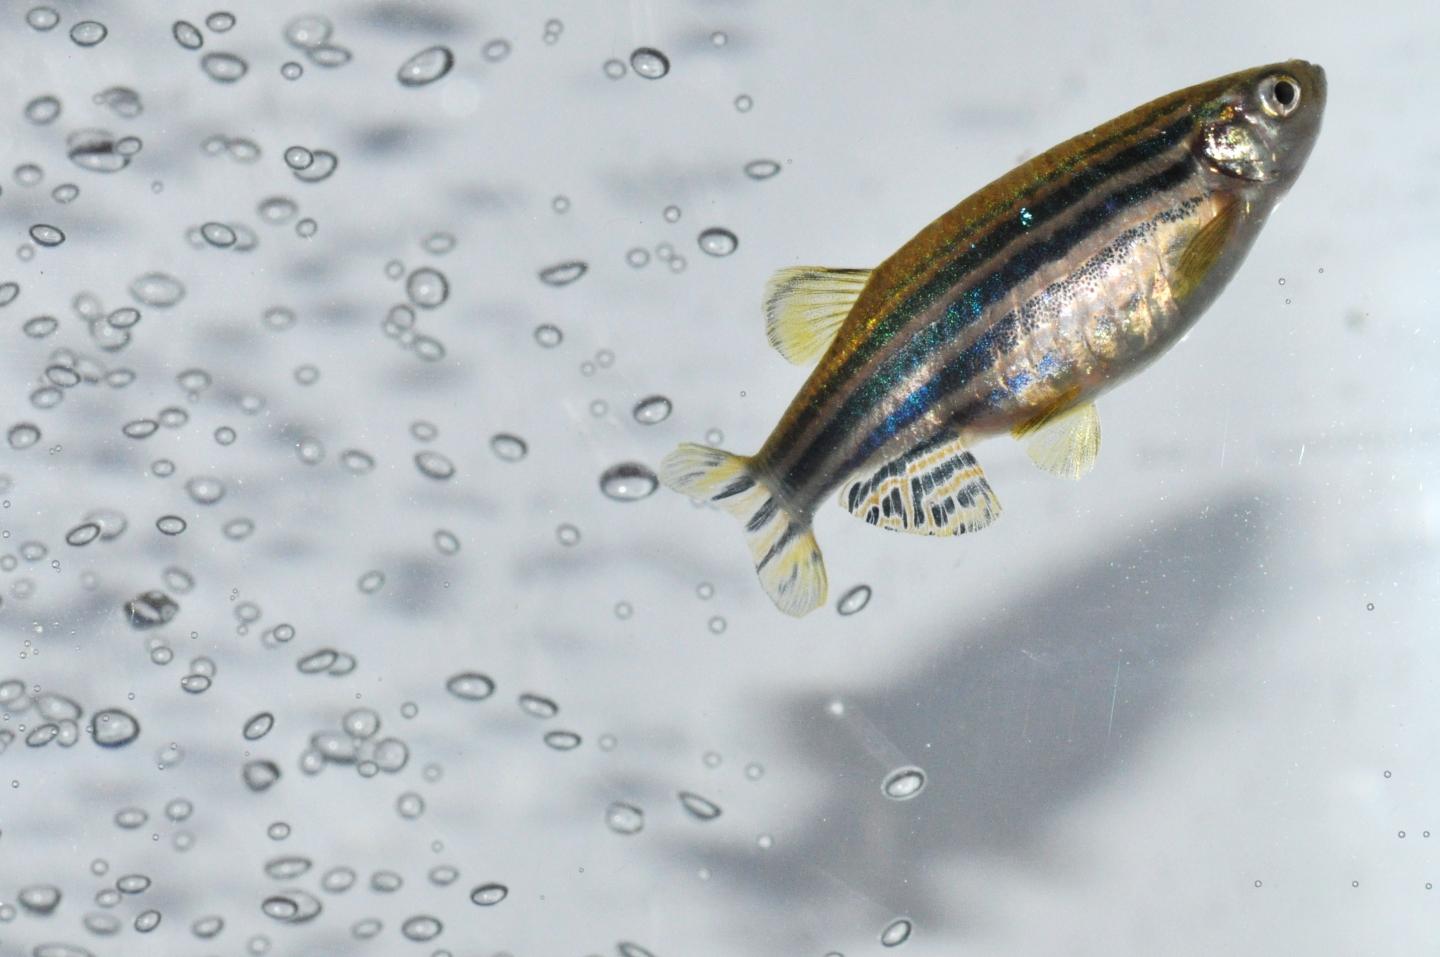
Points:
(1008, 314)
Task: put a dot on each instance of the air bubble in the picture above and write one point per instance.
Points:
(716, 241)
(548, 336)
(700, 808)
(434, 465)
(218, 235)
(563, 274)
(896, 932)
(652, 410)
(628, 482)
(187, 35)
(88, 33)
(46, 235)
(425, 67)
(508, 448)
(649, 63)
(42, 110)
(170, 524)
(298, 157)
(427, 288)
(470, 686)
(23, 435)
(220, 21)
(496, 50)
(624, 818)
(538, 706)
(902, 784)
(223, 67)
(567, 535)
(323, 164)
(260, 775)
(42, 18)
(308, 32)
(258, 726)
(421, 927)
(854, 600)
(562, 740)
(488, 895)
(114, 728)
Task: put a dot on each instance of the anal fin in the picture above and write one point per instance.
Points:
(936, 488)
(805, 307)
(1064, 443)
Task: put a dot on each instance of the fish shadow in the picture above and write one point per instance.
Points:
(1020, 713)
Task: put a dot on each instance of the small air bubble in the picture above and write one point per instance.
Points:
(628, 482)
(902, 784)
(717, 241)
(624, 818)
(896, 932)
(854, 600)
(88, 33)
(223, 67)
(563, 274)
(426, 67)
(649, 63)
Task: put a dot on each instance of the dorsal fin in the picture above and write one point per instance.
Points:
(805, 306)
(1064, 444)
(936, 488)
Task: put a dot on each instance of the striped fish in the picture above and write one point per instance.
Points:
(1008, 314)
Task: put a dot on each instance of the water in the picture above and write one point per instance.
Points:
(339, 609)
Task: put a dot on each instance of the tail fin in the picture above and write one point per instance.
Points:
(783, 547)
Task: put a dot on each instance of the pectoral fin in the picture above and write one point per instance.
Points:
(934, 489)
(1064, 444)
(1203, 249)
(805, 306)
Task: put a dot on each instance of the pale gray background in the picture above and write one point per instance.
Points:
(1135, 697)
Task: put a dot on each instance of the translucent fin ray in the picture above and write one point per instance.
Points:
(1063, 444)
(1203, 249)
(805, 307)
(784, 550)
(934, 489)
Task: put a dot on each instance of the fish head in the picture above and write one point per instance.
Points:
(1257, 127)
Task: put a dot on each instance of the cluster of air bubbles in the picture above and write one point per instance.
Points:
(241, 149)
(312, 35)
(311, 166)
(553, 29)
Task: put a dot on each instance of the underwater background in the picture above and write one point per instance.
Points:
(339, 611)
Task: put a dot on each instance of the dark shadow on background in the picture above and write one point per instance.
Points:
(1012, 721)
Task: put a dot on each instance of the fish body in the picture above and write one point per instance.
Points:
(1010, 314)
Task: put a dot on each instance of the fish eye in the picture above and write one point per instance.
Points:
(1279, 95)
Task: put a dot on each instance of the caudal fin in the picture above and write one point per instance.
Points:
(783, 547)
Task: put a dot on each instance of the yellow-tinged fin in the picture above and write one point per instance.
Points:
(1203, 249)
(934, 489)
(805, 307)
(1064, 443)
(787, 559)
